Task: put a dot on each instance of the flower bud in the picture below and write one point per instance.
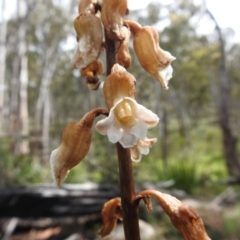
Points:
(90, 37)
(112, 17)
(123, 56)
(91, 73)
(118, 84)
(75, 144)
(153, 59)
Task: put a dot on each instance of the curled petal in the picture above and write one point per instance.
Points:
(142, 147)
(111, 212)
(147, 116)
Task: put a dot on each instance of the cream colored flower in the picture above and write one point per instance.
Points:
(127, 122)
(142, 147)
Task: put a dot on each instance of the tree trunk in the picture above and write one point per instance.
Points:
(42, 117)
(229, 140)
(18, 125)
(3, 34)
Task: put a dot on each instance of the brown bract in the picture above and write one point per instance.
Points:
(146, 46)
(91, 73)
(183, 217)
(90, 37)
(112, 17)
(123, 55)
(118, 84)
(111, 212)
(76, 140)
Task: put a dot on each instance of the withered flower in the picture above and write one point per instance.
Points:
(112, 17)
(90, 37)
(123, 55)
(142, 147)
(111, 212)
(185, 218)
(75, 144)
(153, 59)
(91, 73)
(127, 122)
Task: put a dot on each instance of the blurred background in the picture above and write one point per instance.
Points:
(197, 155)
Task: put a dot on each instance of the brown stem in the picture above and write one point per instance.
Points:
(130, 211)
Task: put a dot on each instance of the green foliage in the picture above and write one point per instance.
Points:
(21, 169)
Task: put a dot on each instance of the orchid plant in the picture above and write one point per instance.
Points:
(127, 121)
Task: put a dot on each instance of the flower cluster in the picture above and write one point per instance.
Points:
(127, 121)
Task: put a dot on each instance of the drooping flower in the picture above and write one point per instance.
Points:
(112, 17)
(127, 122)
(142, 147)
(153, 59)
(75, 144)
(90, 37)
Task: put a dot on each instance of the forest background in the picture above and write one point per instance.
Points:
(39, 94)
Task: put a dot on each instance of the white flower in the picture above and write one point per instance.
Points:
(142, 147)
(127, 122)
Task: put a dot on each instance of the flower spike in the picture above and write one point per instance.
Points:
(75, 144)
(153, 59)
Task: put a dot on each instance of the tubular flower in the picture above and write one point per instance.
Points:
(75, 144)
(112, 17)
(153, 59)
(118, 84)
(123, 56)
(127, 122)
(89, 36)
(142, 147)
(91, 73)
